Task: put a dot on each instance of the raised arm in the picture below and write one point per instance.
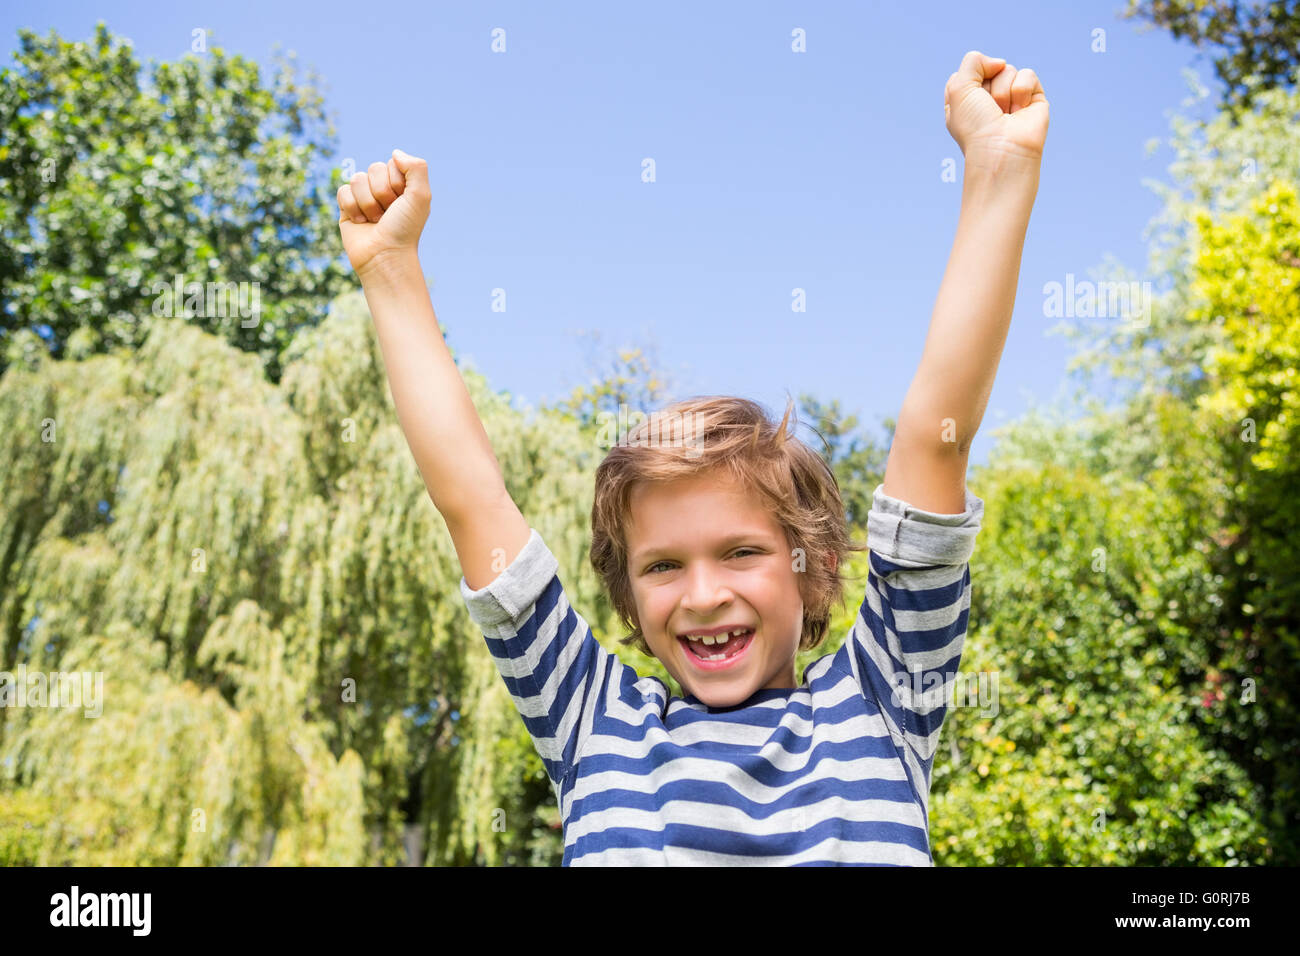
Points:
(381, 214)
(998, 116)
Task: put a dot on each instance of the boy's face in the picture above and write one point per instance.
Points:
(704, 554)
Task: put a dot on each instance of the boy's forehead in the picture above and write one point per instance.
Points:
(647, 499)
(719, 510)
(714, 481)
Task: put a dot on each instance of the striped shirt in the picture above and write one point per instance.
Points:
(833, 772)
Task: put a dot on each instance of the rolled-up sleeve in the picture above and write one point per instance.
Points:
(912, 537)
(911, 628)
(552, 665)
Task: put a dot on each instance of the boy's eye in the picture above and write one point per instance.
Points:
(739, 552)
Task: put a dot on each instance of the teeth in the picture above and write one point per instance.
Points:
(716, 639)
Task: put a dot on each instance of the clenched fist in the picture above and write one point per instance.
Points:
(382, 210)
(995, 109)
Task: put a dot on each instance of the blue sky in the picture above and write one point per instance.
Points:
(774, 170)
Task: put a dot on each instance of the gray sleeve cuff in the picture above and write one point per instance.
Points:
(503, 604)
(911, 537)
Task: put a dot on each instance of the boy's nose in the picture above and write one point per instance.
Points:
(705, 590)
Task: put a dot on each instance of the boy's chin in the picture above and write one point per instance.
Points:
(716, 696)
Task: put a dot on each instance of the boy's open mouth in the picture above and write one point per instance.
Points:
(724, 647)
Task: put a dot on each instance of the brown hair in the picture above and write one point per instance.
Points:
(703, 434)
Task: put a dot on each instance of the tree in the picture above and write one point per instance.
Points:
(111, 189)
(1219, 167)
(1213, 419)
(1089, 603)
(1247, 285)
(259, 575)
(1259, 41)
(857, 462)
(628, 379)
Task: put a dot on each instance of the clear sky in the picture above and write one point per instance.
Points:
(774, 170)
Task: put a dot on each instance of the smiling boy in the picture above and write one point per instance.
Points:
(707, 559)
(743, 540)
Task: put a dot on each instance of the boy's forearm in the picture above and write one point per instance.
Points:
(434, 408)
(973, 309)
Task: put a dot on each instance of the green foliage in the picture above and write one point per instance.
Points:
(1213, 423)
(1247, 278)
(289, 672)
(1258, 42)
(627, 380)
(1088, 599)
(857, 461)
(23, 817)
(1220, 166)
(110, 185)
(231, 553)
(1247, 282)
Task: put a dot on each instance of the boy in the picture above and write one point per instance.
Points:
(720, 539)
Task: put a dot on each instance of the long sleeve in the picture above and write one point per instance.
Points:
(911, 627)
(552, 665)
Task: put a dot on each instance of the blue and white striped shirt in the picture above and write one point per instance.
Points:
(835, 771)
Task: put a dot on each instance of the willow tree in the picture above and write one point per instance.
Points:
(289, 670)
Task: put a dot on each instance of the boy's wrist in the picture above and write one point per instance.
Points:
(992, 169)
(391, 266)
(995, 182)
